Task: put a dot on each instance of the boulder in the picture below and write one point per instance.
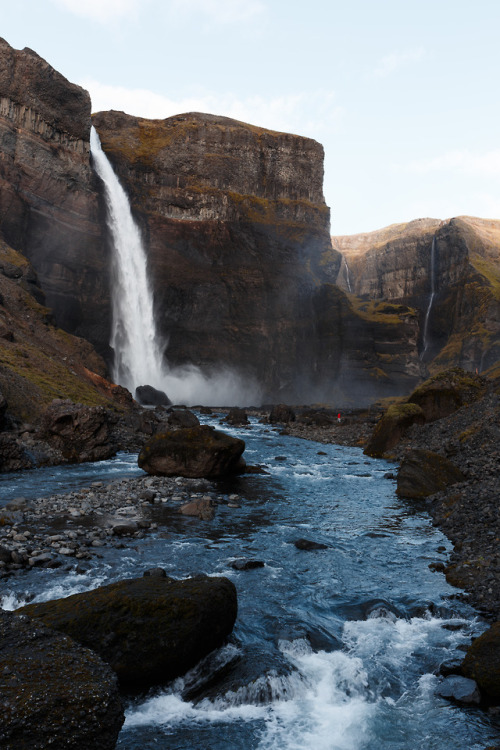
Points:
(392, 426)
(202, 508)
(54, 692)
(192, 452)
(309, 544)
(182, 418)
(482, 663)
(13, 456)
(236, 417)
(81, 433)
(423, 473)
(317, 418)
(149, 630)
(149, 396)
(281, 414)
(459, 689)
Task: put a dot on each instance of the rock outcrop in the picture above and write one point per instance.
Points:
(54, 692)
(482, 663)
(192, 452)
(398, 264)
(151, 629)
(49, 205)
(423, 473)
(81, 433)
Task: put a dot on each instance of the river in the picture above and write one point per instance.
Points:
(335, 649)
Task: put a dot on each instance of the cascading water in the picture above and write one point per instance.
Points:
(134, 339)
(347, 275)
(431, 298)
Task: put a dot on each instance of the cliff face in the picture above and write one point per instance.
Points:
(235, 226)
(398, 264)
(49, 207)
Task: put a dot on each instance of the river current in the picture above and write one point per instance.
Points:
(335, 649)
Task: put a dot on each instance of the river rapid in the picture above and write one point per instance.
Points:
(336, 648)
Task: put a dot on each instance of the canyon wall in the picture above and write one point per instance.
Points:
(395, 264)
(49, 207)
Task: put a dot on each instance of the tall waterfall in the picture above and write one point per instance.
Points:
(347, 275)
(134, 339)
(431, 298)
(139, 350)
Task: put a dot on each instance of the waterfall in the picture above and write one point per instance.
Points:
(347, 275)
(134, 339)
(431, 298)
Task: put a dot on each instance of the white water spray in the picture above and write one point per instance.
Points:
(136, 343)
(137, 347)
(431, 298)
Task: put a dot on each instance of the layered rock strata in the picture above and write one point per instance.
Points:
(460, 324)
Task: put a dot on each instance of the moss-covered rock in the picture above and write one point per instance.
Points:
(150, 630)
(447, 391)
(482, 663)
(54, 693)
(423, 473)
(392, 426)
(192, 452)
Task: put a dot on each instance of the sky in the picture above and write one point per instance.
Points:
(403, 95)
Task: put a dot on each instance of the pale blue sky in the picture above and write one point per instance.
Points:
(403, 95)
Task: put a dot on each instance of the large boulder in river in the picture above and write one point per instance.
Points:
(54, 693)
(281, 414)
(81, 433)
(149, 396)
(423, 473)
(392, 426)
(194, 452)
(150, 630)
(482, 663)
(182, 418)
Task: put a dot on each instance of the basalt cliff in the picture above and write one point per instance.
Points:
(237, 235)
(448, 271)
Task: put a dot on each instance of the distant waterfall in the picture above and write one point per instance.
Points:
(431, 298)
(134, 339)
(347, 275)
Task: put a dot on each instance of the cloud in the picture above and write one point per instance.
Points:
(307, 113)
(472, 164)
(396, 60)
(102, 11)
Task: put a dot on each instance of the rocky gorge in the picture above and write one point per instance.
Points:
(245, 276)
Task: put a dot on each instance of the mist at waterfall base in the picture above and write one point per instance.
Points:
(139, 351)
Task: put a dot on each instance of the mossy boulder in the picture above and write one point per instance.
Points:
(149, 630)
(54, 693)
(482, 663)
(423, 473)
(198, 451)
(392, 426)
(446, 392)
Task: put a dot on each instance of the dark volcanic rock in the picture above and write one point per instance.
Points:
(236, 417)
(150, 630)
(281, 413)
(182, 418)
(423, 473)
(193, 452)
(81, 433)
(13, 456)
(392, 426)
(54, 692)
(482, 663)
(446, 392)
(308, 544)
(149, 396)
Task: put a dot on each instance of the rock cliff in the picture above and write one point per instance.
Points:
(398, 264)
(49, 207)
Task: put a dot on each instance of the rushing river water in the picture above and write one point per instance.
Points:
(334, 649)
